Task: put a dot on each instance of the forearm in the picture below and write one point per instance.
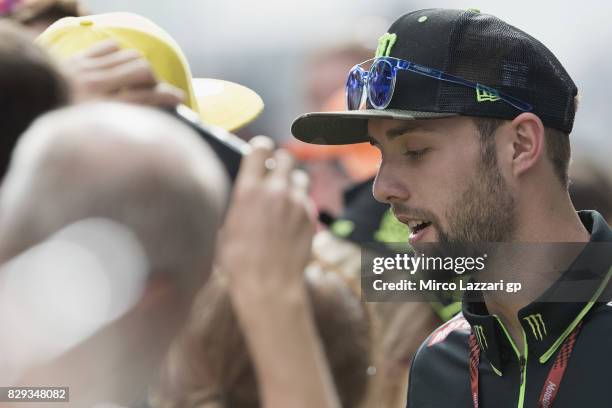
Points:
(264, 256)
(287, 351)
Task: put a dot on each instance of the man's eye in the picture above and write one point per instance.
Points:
(415, 154)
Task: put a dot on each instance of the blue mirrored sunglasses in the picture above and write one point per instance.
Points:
(378, 83)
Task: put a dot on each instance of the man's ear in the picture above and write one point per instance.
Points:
(527, 142)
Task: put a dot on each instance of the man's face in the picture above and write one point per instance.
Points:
(433, 175)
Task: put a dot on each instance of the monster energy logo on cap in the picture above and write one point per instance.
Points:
(537, 325)
(385, 43)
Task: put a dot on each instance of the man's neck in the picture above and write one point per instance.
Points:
(537, 268)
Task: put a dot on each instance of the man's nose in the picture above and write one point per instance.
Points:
(390, 186)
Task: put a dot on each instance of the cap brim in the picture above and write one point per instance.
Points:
(347, 127)
(226, 104)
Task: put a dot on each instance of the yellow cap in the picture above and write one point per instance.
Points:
(219, 103)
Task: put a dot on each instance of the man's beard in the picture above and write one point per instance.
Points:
(485, 212)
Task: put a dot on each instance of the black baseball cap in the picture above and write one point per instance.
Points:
(465, 43)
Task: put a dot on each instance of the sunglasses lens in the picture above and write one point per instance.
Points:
(354, 89)
(381, 84)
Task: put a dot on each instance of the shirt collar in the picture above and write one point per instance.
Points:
(547, 324)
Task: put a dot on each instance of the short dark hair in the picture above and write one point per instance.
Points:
(29, 86)
(557, 142)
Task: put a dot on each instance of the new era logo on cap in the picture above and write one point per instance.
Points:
(484, 94)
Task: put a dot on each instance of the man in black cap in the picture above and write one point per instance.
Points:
(472, 117)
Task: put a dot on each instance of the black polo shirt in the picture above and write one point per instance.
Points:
(440, 372)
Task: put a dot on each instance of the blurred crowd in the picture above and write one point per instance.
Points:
(135, 272)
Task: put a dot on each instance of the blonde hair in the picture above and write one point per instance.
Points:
(209, 364)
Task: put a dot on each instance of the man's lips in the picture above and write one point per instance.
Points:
(418, 235)
(418, 227)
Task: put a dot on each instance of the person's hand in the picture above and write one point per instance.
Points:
(264, 248)
(104, 71)
(266, 240)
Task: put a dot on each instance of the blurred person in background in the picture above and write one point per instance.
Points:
(143, 170)
(101, 71)
(37, 15)
(30, 85)
(126, 57)
(591, 187)
(332, 169)
(326, 68)
(209, 365)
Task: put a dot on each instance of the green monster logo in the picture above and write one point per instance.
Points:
(537, 325)
(385, 43)
(480, 336)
